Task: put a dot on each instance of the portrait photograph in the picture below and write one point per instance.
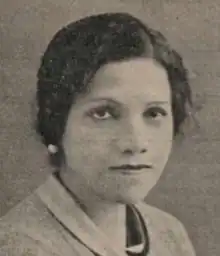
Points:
(109, 128)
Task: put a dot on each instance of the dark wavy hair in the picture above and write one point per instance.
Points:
(79, 49)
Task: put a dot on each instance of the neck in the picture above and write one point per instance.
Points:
(108, 216)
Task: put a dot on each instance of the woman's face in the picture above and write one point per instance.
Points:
(126, 119)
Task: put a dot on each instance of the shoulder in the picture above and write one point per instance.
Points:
(22, 230)
(158, 217)
(168, 229)
(15, 243)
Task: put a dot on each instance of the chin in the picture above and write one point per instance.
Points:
(132, 195)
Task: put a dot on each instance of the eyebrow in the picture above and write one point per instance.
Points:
(158, 102)
(104, 99)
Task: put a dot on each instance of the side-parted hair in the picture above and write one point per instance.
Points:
(79, 49)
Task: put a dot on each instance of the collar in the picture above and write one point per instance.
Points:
(68, 212)
(136, 237)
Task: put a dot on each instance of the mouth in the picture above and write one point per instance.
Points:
(128, 168)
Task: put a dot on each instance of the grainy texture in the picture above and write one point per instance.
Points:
(190, 186)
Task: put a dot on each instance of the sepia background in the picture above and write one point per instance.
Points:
(190, 185)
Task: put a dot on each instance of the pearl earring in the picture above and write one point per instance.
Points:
(52, 149)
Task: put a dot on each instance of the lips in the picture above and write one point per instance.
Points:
(130, 167)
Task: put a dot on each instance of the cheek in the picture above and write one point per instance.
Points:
(87, 145)
(164, 147)
(162, 142)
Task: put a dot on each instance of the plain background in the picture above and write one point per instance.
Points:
(190, 185)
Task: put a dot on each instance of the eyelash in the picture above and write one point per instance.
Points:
(113, 113)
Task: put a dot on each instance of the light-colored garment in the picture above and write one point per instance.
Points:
(51, 223)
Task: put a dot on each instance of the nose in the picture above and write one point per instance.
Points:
(133, 140)
(130, 151)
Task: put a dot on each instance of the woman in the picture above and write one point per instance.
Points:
(112, 96)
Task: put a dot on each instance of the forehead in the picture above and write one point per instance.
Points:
(137, 78)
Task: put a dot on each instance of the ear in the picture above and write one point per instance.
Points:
(57, 159)
(34, 112)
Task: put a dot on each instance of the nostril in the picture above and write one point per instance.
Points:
(128, 152)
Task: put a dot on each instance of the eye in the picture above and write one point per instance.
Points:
(155, 113)
(103, 113)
